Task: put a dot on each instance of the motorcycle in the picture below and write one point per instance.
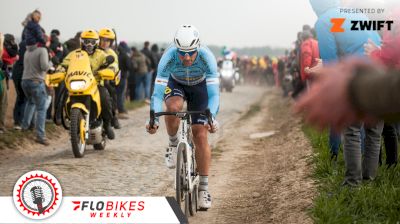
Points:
(82, 106)
(228, 76)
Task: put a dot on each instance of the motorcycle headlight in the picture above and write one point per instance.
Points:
(78, 85)
(226, 74)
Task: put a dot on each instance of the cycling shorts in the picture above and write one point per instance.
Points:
(196, 97)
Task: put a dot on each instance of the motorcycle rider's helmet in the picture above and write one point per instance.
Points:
(107, 33)
(89, 41)
(187, 38)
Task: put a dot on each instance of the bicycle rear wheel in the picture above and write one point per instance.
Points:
(181, 194)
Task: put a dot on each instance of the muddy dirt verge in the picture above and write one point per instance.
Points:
(264, 180)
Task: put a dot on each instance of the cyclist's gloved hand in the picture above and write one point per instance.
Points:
(214, 126)
(152, 130)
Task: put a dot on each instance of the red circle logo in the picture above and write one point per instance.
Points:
(37, 195)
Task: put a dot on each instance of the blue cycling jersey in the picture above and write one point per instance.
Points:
(203, 68)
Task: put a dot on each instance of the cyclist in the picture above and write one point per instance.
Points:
(188, 71)
(107, 37)
(97, 57)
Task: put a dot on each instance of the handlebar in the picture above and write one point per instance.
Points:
(181, 114)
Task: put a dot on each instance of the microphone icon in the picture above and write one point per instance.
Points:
(38, 198)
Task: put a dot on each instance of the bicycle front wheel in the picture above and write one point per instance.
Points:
(182, 194)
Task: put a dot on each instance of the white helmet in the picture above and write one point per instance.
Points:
(187, 38)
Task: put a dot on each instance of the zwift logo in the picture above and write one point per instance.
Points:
(361, 25)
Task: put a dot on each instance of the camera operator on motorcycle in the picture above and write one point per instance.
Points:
(188, 71)
(97, 57)
(107, 38)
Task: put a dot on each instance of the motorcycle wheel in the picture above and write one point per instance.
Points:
(77, 131)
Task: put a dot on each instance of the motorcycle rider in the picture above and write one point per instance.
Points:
(107, 37)
(188, 71)
(97, 57)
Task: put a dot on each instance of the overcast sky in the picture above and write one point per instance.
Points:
(235, 23)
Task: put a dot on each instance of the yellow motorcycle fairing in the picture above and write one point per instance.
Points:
(95, 98)
(106, 74)
(54, 79)
(80, 80)
(82, 106)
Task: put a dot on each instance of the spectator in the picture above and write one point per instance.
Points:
(73, 43)
(281, 70)
(34, 33)
(2, 88)
(57, 50)
(36, 63)
(56, 46)
(151, 65)
(389, 56)
(306, 27)
(146, 51)
(298, 84)
(309, 55)
(333, 46)
(294, 70)
(140, 64)
(156, 58)
(18, 70)
(125, 66)
(131, 87)
(274, 62)
(10, 50)
(8, 57)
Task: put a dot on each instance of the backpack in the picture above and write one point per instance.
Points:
(139, 64)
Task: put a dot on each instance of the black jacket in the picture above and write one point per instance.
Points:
(33, 34)
(125, 64)
(18, 68)
(149, 55)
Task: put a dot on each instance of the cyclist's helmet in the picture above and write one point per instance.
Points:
(187, 38)
(89, 40)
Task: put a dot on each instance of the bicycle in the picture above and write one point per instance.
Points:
(187, 178)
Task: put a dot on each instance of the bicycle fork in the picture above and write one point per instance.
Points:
(187, 151)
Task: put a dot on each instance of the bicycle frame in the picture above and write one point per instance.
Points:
(188, 153)
(187, 178)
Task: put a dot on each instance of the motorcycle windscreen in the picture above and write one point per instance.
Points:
(79, 68)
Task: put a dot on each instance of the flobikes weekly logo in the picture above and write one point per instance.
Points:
(37, 195)
(115, 209)
(361, 25)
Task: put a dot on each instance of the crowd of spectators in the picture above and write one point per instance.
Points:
(340, 80)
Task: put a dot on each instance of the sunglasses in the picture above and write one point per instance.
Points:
(89, 41)
(103, 39)
(183, 53)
